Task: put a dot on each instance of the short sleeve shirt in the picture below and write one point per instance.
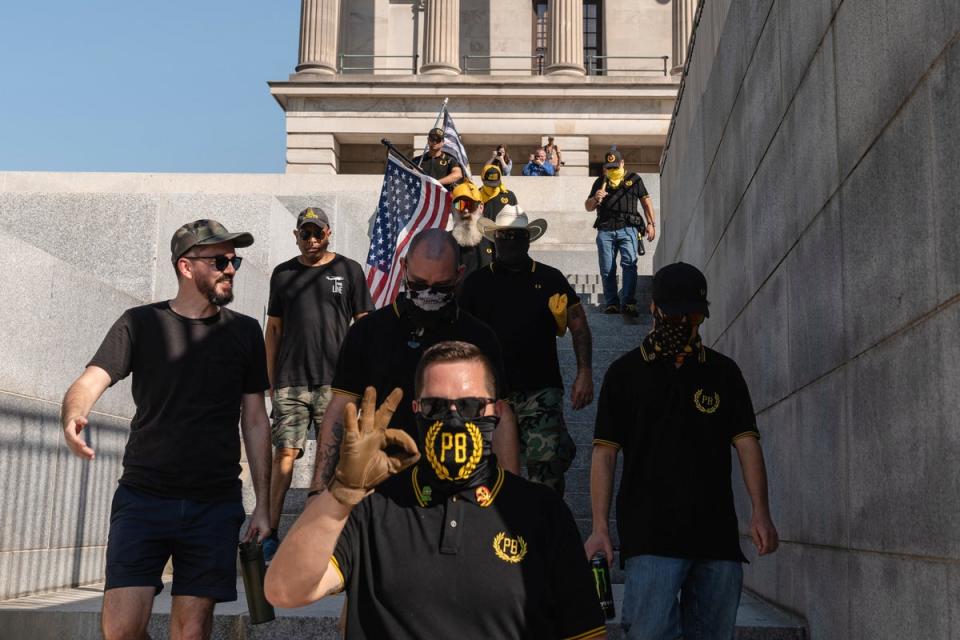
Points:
(439, 167)
(510, 566)
(382, 350)
(516, 305)
(316, 305)
(675, 427)
(189, 377)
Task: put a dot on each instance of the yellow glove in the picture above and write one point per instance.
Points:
(558, 307)
(364, 462)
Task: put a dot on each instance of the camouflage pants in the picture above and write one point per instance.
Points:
(545, 445)
(295, 410)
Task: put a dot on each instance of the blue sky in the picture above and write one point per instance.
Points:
(138, 85)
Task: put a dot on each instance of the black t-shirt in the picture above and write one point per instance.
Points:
(455, 569)
(620, 208)
(382, 350)
(675, 428)
(495, 205)
(516, 305)
(439, 167)
(316, 305)
(188, 380)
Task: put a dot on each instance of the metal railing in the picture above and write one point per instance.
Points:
(412, 68)
(535, 69)
(597, 66)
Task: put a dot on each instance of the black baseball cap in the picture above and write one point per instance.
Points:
(436, 134)
(204, 232)
(612, 158)
(679, 289)
(313, 215)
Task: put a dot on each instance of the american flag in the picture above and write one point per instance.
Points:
(452, 143)
(409, 203)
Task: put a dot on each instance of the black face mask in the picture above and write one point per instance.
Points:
(513, 253)
(457, 454)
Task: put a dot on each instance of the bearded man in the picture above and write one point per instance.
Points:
(427, 534)
(476, 251)
(198, 369)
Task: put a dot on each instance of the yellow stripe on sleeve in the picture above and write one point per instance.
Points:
(342, 392)
(336, 566)
(593, 633)
(746, 434)
(606, 443)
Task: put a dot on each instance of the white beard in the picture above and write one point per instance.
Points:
(466, 232)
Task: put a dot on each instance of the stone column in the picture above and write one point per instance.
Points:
(319, 31)
(565, 39)
(683, 14)
(441, 41)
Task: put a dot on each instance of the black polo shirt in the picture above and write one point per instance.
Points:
(675, 427)
(495, 205)
(381, 350)
(439, 167)
(508, 564)
(476, 257)
(515, 305)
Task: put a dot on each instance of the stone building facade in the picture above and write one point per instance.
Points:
(591, 73)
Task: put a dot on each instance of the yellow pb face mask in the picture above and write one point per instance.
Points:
(615, 176)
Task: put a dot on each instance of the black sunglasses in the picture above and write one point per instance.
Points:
(306, 234)
(467, 408)
(443, 287)
(219, 262)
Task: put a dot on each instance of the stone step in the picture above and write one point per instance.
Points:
(75, 614)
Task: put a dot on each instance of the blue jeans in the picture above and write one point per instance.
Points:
(709, 594)
(609, 242)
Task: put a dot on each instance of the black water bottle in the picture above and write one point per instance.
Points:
(254, 570)
(601, 577)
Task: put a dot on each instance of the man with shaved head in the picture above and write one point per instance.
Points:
(382, 349)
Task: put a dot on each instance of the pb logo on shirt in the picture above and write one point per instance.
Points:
(509, 549)
(706, 402)
(337, 286)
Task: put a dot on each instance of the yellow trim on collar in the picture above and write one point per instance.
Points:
(396, 309)
(416, 487)
(493, 492)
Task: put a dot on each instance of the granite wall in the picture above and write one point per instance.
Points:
(78, 249)
(811, 174)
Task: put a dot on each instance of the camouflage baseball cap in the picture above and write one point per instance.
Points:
(436, 134)
(204, 232)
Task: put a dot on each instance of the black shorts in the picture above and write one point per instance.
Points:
(202, 537)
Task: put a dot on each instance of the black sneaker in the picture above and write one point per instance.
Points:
(612, 309)
(630, 310)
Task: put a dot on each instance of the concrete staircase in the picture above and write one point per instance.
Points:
(74, 613)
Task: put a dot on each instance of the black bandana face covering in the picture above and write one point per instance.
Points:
(671, 341)
(457, 453)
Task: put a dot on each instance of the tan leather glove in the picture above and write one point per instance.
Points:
(364, 463)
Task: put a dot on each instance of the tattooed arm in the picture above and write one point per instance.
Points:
(582, 392)
(328, 447)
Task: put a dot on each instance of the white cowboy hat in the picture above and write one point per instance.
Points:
(512, 217)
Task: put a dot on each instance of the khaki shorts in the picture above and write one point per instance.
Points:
(295, 410)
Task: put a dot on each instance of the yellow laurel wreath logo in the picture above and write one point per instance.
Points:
(629, 183)
(611, 158)
(471, 464)
(510, 550)
(505, 200)
(705, 403)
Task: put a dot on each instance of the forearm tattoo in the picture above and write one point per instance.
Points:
(328, 455)
(582, 339)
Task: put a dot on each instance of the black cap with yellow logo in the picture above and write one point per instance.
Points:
(612, 158)
(313, 215)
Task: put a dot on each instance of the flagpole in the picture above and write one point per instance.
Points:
(435, 123)
(389, 145)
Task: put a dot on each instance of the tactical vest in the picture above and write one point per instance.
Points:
(621, 207)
